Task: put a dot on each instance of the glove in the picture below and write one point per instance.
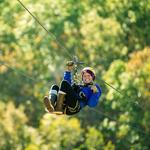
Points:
(82, 96)
(94, 89)
(69, 63)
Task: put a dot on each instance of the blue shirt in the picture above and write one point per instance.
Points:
(92, 98)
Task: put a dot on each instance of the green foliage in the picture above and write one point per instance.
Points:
(12, 123)
(94, 139)
(60, 132)
(133, 82)
(110, 35)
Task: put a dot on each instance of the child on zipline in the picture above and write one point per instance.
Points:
(71, 98)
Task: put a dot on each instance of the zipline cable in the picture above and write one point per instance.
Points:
(66, 49)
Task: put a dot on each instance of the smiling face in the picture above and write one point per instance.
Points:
(87, 78)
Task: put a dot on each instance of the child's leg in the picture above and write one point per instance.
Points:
(53, 94)
(63, 91)
(49, 102)
(71, 100)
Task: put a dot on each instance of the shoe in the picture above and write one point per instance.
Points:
(48, 105)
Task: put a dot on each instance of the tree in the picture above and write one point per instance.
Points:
(12, 123)
(129, 77)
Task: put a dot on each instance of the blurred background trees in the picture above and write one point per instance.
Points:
(111, 36)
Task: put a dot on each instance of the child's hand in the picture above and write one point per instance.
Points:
(70, 65)
(94, 89)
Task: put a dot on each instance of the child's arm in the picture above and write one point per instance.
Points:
(67, 73)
